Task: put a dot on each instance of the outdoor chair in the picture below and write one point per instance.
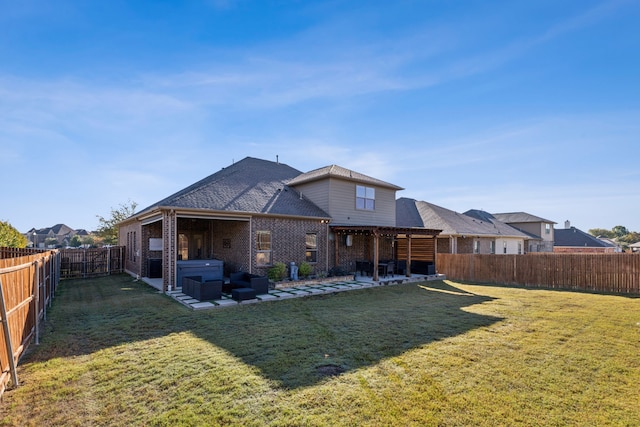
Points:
(391, 268)
(385, 268)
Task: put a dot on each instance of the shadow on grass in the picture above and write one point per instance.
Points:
(294, 343)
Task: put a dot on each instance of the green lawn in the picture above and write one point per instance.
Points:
(116, 352)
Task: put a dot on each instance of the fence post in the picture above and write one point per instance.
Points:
(36, 301)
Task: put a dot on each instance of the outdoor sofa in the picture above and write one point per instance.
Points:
(202, 290)
(242, 279)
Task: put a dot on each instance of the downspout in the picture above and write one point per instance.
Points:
(326, 256)
(174, 236)
(251, 245)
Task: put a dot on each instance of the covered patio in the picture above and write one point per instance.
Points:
(380, 246)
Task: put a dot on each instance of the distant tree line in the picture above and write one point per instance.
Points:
(619, 233)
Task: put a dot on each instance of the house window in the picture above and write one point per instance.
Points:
(311, 252)
(365, 198)
(492, 247)
(263, 248)
(547, 229)
(476, 246)
(504, 247)
(519, 248)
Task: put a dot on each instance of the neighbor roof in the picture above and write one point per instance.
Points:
(58, 229)
(516, 217)
(335, 171)
(413, 213)
(250, 185)
(574, 237)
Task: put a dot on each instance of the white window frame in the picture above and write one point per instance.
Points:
(365, 198)
(311, 248)
(263, 248)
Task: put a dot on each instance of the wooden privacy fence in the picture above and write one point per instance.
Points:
(28, 280)
(616, 273)
(83, 263)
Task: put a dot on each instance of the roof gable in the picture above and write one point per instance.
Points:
(519, 217)
(335, 171)
(250, 185)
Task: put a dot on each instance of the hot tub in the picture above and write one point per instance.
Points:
(208, 269)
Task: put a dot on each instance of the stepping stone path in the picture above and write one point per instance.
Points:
(293, 292)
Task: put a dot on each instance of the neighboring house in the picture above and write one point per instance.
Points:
(255, 213)
(474, 231)
(635, 247)
(573, 240)
(540, 230)
(612, 243)
(58, 235)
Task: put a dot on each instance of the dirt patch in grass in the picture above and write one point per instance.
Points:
(329, 370)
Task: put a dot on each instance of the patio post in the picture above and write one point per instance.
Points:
(408, 272)
(376, 255)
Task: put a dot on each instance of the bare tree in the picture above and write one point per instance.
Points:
(108, 229)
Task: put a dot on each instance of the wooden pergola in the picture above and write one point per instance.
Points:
(377, 232)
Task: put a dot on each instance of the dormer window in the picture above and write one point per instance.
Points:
(365, 198)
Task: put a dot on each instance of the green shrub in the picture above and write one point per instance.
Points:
(278, 272)
(304, 270)
(10, 237)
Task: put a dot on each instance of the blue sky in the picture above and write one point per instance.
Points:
(496, 105)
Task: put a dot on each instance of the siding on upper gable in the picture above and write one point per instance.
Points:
(318, 193)
(535, 228)
(338, 198)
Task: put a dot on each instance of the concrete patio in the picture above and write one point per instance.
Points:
(298, 291)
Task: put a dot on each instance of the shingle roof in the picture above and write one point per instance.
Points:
(57, 229)
(335, 171)
(576, 238)
(250, 185)
(413, 213)
(516, 217)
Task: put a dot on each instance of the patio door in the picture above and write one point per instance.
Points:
(190, 246)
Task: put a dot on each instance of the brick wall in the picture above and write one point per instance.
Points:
(444, 245)
(153, 230)
(581, 250)
(361, 250)
(130, 235)
(288, 241)
(231, 243)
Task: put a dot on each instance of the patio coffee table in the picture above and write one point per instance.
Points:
(241, 294)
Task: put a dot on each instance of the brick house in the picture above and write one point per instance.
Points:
(539, 230)
(61, 234)
(472, 232)
(255, 212)
(573, 240)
